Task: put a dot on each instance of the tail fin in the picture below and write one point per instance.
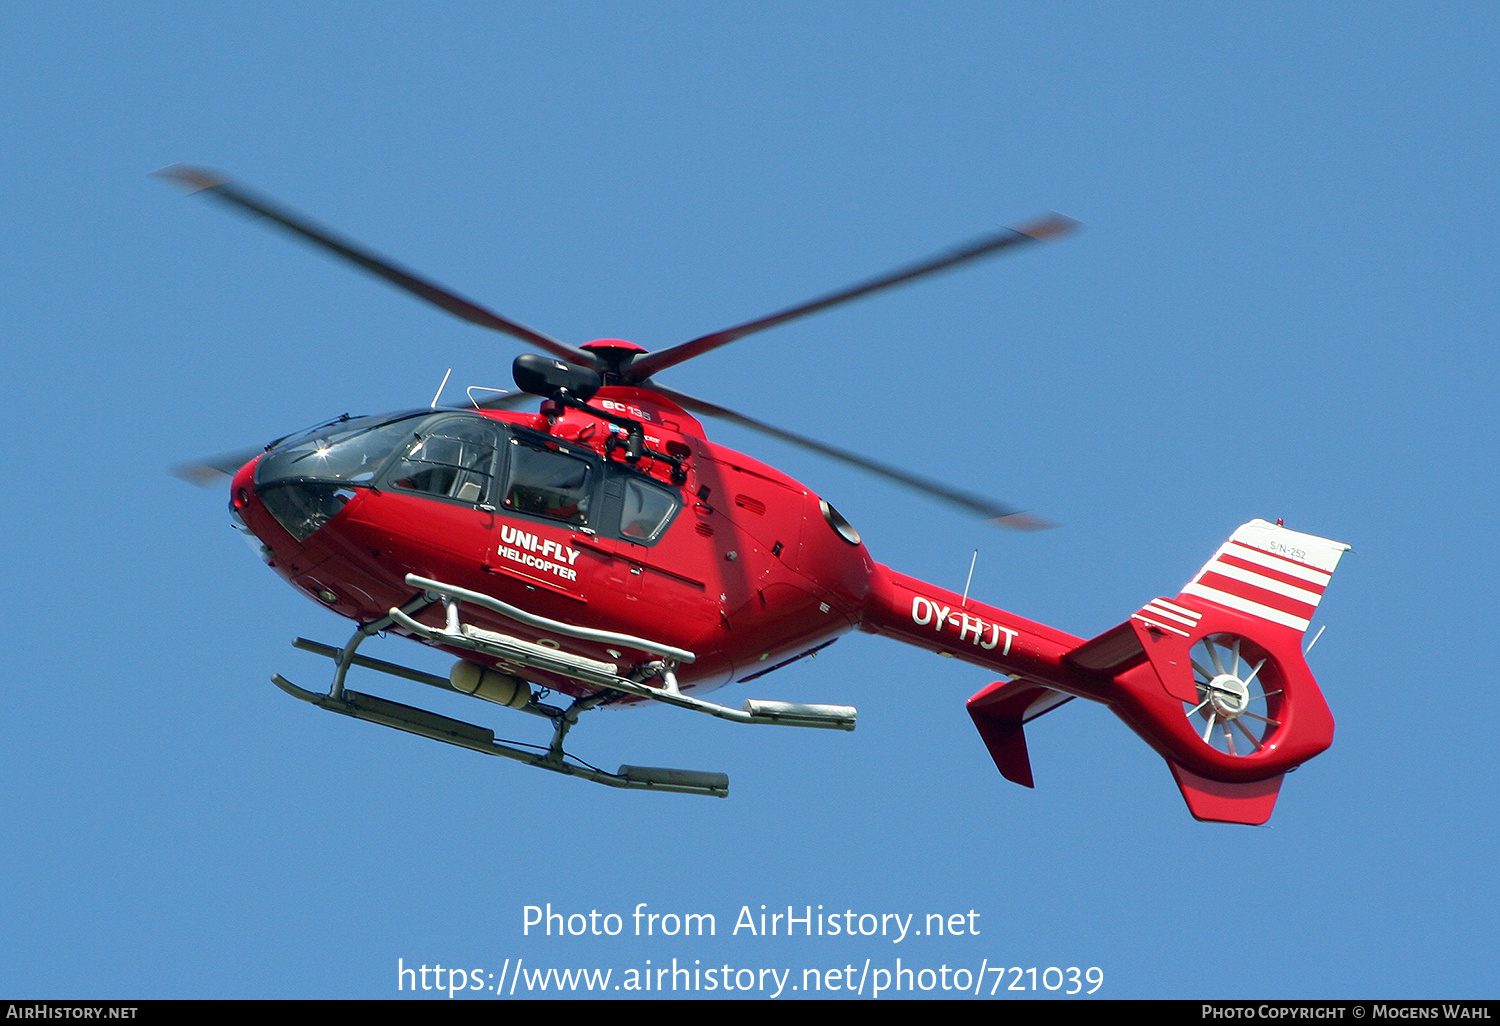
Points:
(1269, 573)
(1214, 678)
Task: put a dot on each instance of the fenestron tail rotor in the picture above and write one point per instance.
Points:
(1236, 711)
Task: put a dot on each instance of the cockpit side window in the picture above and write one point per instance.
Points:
(647, 511)
(635, 507)
(451, 459)
(547, 483)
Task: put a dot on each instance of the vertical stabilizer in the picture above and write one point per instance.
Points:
(1269, 572)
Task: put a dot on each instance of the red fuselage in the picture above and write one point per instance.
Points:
(752, 569)
(748, 573)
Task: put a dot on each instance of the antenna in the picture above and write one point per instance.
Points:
(972, 560)
(1314, 641)
(440, 389)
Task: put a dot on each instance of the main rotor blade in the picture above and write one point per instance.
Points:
(211, 470)
(508, 401)
(999, 513)
(198, 179)
(1043, 228)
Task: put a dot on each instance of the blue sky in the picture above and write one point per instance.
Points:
(1283, 305)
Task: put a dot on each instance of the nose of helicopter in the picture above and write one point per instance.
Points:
(279, 531)
(304, 480)
(241, 499)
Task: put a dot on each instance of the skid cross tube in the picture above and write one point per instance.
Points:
(425, 723)
(341, 670)
(407, 673)
(604, 676)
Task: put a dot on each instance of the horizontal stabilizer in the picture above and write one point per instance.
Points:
(1116, 649)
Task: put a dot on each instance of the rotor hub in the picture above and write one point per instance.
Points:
(1228, 695)
(613, 356)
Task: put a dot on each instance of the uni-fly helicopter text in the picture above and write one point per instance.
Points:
(605, 550)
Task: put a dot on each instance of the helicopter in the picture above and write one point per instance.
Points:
(604, 551)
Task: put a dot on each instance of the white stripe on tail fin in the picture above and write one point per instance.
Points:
(1266, 571)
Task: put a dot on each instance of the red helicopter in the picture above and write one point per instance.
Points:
(604, 550)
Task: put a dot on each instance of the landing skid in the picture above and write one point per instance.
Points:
(482, 739)
(515, 651)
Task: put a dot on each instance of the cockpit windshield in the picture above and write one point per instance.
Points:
(463, 458)
(306, 479)
(346, 451)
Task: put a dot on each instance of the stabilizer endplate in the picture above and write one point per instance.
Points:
(1000, 712)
